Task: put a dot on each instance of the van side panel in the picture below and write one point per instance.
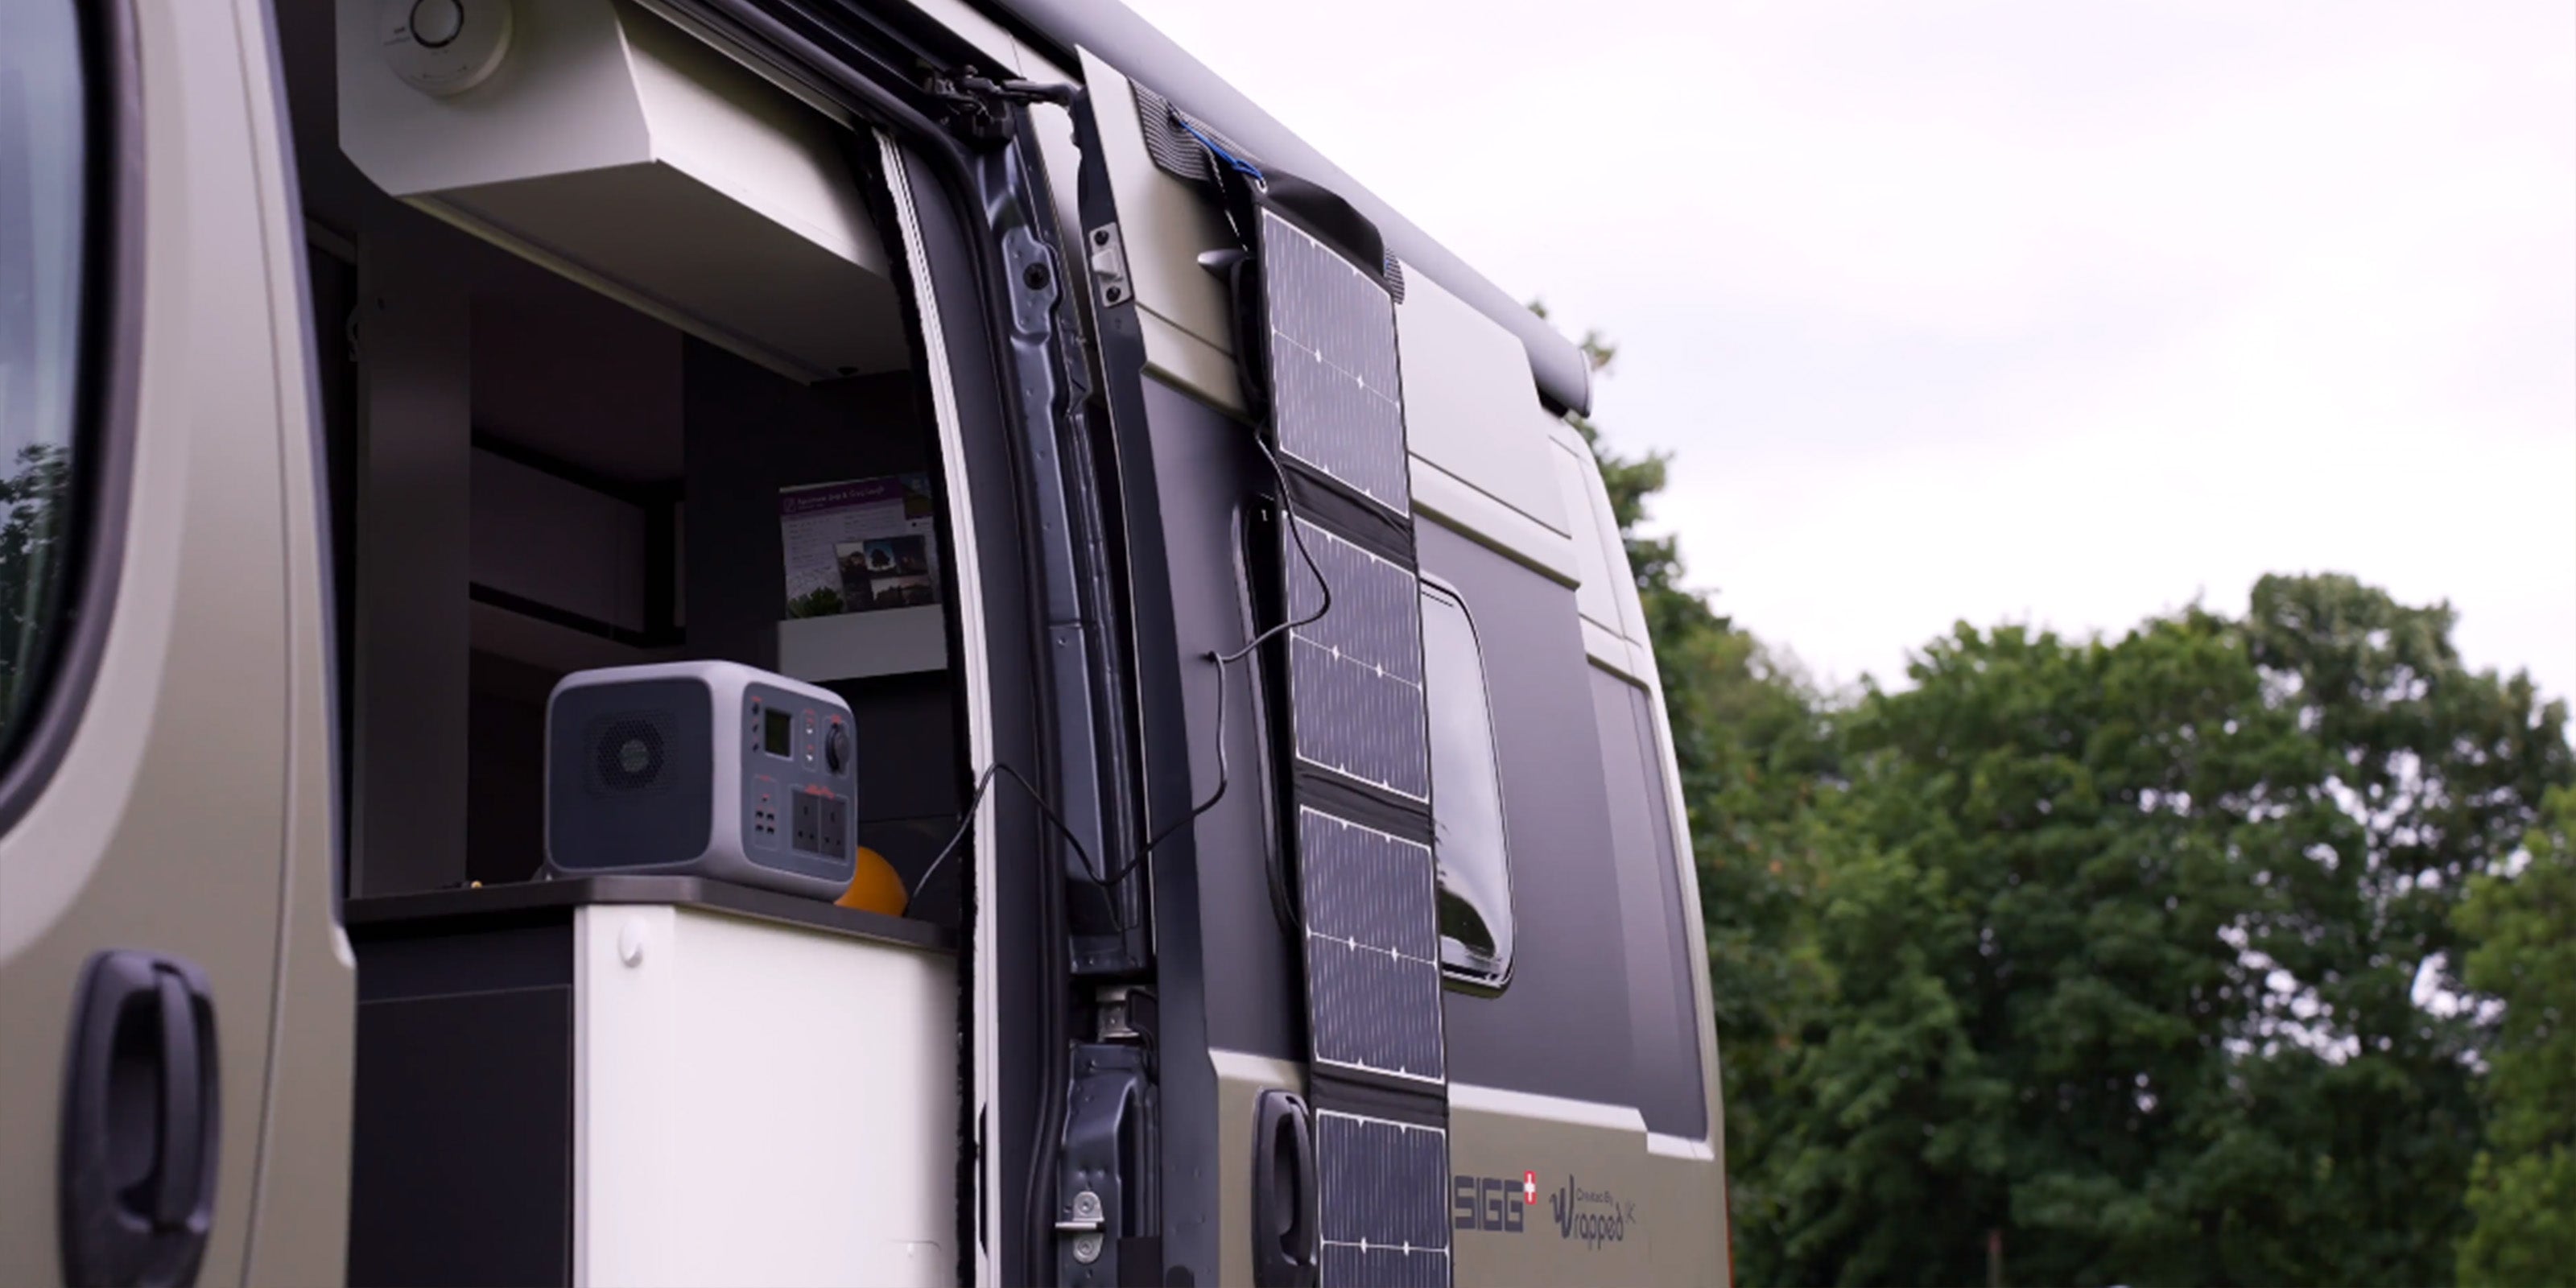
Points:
(300, 1214)
(1688, 1150)
(1164, 224)
(163, 826)
(1544, 1081)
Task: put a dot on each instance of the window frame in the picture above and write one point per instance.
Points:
(1463, 976)
(105, 396)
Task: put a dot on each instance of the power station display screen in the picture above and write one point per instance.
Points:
(778, 734)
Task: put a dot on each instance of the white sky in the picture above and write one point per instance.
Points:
(2030, 311)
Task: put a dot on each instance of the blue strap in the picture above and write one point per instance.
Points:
(1216, 149)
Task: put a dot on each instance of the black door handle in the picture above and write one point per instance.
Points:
(1283, 1192)
(136, 1186)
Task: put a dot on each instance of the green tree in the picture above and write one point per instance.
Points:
(2522, 1188)
(2121, 945)
(2130, 955)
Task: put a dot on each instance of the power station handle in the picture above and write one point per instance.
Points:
(136, 1184)
(1283, 1192)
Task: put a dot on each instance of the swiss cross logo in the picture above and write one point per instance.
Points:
(1529, 1187)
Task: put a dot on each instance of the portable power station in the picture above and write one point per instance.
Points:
(706, 768)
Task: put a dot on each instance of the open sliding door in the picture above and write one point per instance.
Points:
(1259, 314)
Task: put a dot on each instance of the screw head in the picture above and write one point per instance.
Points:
(1034, 277)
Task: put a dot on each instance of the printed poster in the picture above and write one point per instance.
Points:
(859, 546)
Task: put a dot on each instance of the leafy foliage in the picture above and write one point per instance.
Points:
(33, 497)
(2125, 954)
(2522, 1189)
(2144, 957)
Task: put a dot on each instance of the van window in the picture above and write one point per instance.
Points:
(1662, 1007)
(1468, 843)
(42, 195)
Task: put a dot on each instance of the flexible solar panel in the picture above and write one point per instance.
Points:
(1372, 953)
(1360, 737)
(1355, 674)
(1384, 1219)
(1336, 404)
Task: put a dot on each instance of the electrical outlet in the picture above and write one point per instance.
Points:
(834, 829)
(808, 831)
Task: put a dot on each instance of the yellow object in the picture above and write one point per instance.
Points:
(874, 887)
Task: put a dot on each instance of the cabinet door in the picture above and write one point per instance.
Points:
(150, 382)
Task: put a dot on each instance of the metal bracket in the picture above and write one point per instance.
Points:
(1108, 1160)
(1109, 265)
(978, 108)
(1086, 1225)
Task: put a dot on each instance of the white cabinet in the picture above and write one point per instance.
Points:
(638, 1080)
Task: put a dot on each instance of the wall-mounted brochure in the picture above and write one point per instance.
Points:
(859, 546)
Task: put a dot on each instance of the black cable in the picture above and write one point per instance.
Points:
(1287, 512)
(975, 805)
(1224, 769)
(1223, 167)
(1224, 774)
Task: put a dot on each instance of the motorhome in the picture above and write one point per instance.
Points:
(1197, 806)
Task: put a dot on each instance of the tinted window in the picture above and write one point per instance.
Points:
(1468, 842)
(1664, 1015)
(42, 199)
(1562, 1028)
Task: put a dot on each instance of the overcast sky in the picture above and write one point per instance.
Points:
(2062, 312)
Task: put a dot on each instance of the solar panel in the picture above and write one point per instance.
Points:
(1372, 953)
(1384, 1219)
(1335, 399)
(1355, 674)
(1359, 730)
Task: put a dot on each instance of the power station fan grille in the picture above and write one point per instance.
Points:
(630, 773)
(629, 752)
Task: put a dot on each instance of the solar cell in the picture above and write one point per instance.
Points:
(1372, 955)
(1384, 1214)
(1365, 885)
(1336, 399)
(1355, 675)
(1373, 1010)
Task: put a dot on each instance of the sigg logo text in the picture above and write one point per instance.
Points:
(1486, 1203)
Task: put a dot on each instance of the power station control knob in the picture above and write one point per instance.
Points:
(836, 748)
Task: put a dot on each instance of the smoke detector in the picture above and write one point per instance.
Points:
(443, 47)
